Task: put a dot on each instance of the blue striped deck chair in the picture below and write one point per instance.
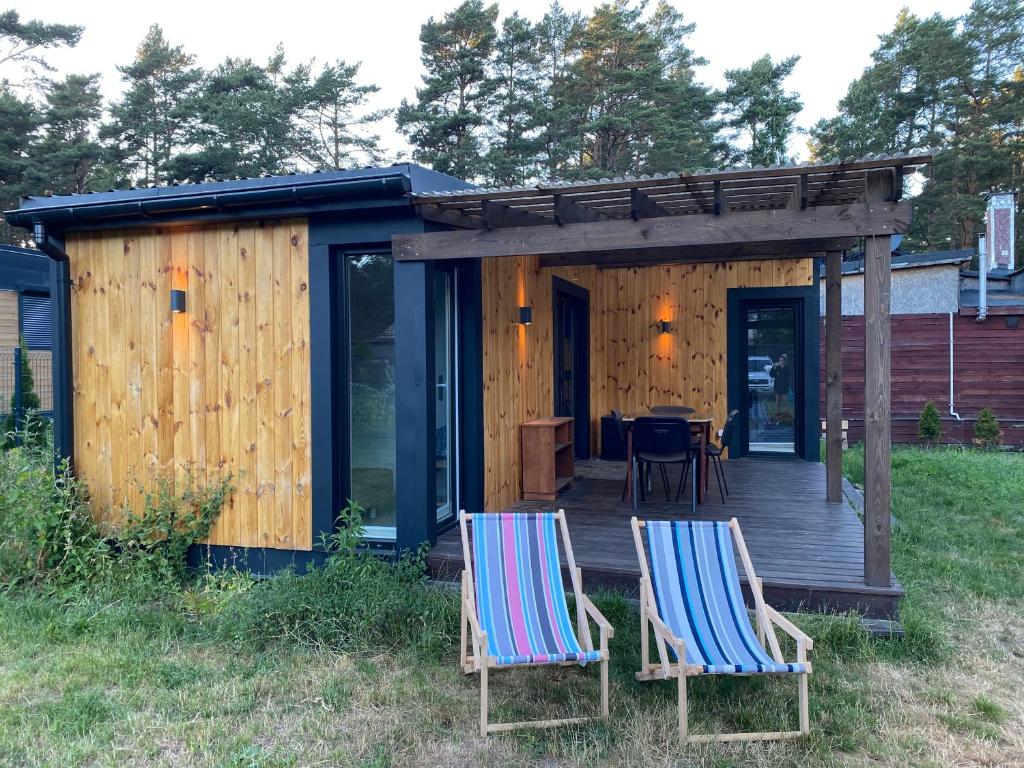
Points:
(514, 606)
(690, 599)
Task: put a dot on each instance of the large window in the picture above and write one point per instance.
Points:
(371, 365)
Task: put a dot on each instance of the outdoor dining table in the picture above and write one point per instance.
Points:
(700, 429)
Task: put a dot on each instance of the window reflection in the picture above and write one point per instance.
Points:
(372, 390)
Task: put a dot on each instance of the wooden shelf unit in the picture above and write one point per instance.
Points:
(547, 458)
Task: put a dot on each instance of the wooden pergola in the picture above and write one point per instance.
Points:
(816, 210)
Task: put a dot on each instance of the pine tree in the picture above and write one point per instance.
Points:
(954, 84)
(929, 426)
(154, 117)
(685, 135)
(23, 42)
(19, 119)
(631, 88)
(66, 155)
(243, 121)
(445, 122)
(332, 134)
(987, 433)
(22, 59)
(558, 39)
(760, 111)
(30, 430)
(515, 87)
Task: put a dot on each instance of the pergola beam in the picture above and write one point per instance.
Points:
(881, 185)
(498, 215)
(692, 255)
(568, 211)
(693, 231)
(452, 218)
(643, 206)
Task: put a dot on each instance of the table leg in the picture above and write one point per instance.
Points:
(702, 461)
(631, 480)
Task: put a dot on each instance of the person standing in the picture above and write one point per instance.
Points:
(782, 375)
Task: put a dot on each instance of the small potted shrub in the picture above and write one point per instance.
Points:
(929, 427)
(987, 433)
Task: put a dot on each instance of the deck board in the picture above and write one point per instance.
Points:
(809, 553)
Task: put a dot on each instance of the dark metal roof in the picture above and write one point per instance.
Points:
(24, 269)
(969, 297)
(830, 182)
(902, 260)
(281, 195)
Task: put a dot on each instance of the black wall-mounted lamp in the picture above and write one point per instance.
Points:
(525, 315)
(177, 301)
(665, 326)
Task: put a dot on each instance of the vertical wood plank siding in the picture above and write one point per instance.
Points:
(632, 365)
(222, 388)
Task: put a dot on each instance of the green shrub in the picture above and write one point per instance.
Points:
(929, 427)
(987, 433)
(33, 430)
(357, 601)
(49, 535)
(178, 514)
(46, 529)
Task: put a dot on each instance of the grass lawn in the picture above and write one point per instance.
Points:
(107, 681)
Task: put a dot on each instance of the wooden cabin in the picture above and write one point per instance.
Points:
(382, 335)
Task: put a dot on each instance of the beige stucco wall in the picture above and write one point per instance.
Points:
(915, 291)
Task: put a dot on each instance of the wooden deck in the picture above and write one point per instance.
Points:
(809, 553)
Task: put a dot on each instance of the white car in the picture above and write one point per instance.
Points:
(758, 367)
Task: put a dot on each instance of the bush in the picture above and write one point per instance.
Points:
(33, 430)
(987, 433)
(45, 526)
(177, 515)
(929, 427)
(49, 535)
(357, 601)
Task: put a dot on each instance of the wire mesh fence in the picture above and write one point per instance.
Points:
(26, 385)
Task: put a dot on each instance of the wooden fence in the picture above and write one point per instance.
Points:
(988, 370)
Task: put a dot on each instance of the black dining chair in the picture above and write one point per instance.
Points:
(714, 452)
(659, 440)
(671, 410)
(620, 427)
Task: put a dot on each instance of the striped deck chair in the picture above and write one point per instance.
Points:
(514, 606)
(690, 597)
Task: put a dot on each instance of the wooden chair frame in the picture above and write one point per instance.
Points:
(473, 656)
(767, 619)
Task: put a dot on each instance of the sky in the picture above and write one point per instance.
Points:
(833, 39)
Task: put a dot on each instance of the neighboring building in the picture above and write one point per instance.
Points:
(940, 351)
(25, 313)
(921, 283)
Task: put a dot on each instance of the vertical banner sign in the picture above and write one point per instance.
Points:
(999, 230)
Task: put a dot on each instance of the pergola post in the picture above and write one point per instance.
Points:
(881, 186)
(833, 375)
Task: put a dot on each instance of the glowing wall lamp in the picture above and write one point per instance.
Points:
(664, 326)
(177, 301)
(525, 315)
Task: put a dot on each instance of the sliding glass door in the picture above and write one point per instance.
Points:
(369, 280)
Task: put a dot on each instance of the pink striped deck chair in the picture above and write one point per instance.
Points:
(514, 606)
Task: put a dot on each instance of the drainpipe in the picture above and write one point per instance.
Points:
(60, 297)
(952, 412)
(982, 280)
